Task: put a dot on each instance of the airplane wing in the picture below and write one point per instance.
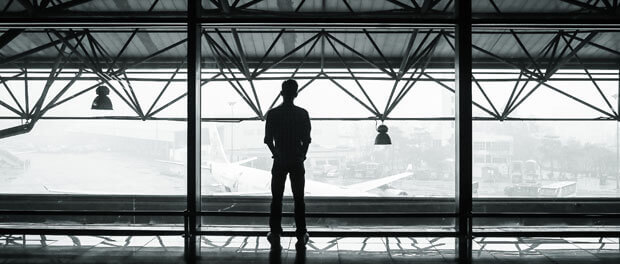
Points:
(181, 163)
(67, 191)
(244, 161)
(240, 193)
(171, 162)
(372, 184)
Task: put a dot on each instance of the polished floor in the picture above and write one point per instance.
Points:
(220, 249)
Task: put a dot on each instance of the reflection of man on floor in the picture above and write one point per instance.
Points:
(288, 126)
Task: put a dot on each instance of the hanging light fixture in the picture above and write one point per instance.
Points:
(382, 138)
(102, 101)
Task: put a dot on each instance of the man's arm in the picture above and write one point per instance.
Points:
(269, 136)
(305, 141)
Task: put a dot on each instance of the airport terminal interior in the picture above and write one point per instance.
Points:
(443, 131)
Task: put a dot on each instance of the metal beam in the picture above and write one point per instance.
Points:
(163, 89)
(407, 51)
(285, 56)
(273, 44)
(194, 202)
(246, 69)
(400, 4)
(376, 111)
(86, 59)
(13, 95)
(358, 54)
(217, 53)
(248, 4)
(463, 125)
(60, 94)
(6, 7)
(585, 6)
(352, 95)
(374, 44)
(592, 79)
(66, 5)
(9, 35)
(549, 72)
(40, 48)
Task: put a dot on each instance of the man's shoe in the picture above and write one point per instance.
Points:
(302, 240)
(274, 240)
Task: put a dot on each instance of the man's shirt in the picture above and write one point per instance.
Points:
(288, 126)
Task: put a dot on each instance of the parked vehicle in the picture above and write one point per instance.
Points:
(559, 189)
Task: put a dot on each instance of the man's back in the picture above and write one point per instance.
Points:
(287, 134)
(289, 126)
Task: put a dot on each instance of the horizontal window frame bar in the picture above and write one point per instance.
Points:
(546, 233)
(317, 214)
(92, 213)
(334, 233)
(546, 215)
(90, 232)
(333, 215)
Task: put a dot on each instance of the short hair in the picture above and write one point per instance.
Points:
(289, 87)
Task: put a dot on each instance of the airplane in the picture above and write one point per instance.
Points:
(238, 179)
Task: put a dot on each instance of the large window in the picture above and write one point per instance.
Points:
(57, 146)
(559, 136)
(545, 129)
(401, 83)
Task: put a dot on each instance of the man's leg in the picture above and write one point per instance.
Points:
(278, 178)
(298, 182)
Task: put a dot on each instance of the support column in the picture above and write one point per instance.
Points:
(463, 70)
(618, 135)
(192, 241)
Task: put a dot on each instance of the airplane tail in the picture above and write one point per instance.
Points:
(11, 160)
(216, 148)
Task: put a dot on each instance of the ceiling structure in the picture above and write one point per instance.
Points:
(395, 40)
(242, 41)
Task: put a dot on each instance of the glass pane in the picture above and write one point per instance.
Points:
(342, 160)
(546, 159)
(79, 153)
(348, 80)
(545, 132)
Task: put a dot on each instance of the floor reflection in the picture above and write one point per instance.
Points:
(243, 249)
(275, 256)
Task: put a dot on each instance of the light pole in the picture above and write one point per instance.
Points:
(232, 127)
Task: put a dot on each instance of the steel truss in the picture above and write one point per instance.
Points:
(240, 71)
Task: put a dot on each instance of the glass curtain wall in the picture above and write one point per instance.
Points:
(550, 142)
(348, 86)
(98, 124)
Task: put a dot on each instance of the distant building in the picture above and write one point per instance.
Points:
(492, 155)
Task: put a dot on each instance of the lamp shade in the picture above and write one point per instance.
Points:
(382, 138)
(102, 101)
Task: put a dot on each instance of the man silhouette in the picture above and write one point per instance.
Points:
(287, 134)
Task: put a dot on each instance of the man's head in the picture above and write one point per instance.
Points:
(289, 88)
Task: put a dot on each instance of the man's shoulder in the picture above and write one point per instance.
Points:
(280, 108)
(273, 111)
(301, 110)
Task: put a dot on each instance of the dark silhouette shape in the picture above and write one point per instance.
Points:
(275, 256)
(287, 134)
(300, 255)
(102, 101)
(383, 138)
